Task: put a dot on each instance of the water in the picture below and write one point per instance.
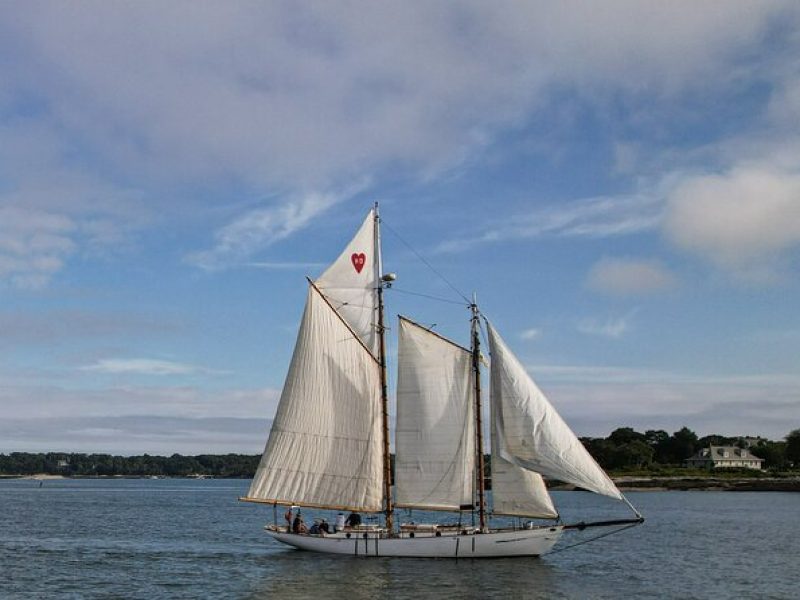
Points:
(192, 539)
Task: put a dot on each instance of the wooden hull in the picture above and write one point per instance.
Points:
(494, 544)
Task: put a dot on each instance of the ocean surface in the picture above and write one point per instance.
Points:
(174, 538)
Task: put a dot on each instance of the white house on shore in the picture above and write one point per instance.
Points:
(715, 457)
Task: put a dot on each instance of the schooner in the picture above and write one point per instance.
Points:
(329, 443)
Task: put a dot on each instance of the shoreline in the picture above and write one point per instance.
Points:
(710, 484)
(627, 483)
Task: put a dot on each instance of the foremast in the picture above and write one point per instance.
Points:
(387, 463)
(480, 469)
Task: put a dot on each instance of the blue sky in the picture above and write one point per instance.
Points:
(620, 187)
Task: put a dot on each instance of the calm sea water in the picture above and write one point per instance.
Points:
(192, 539)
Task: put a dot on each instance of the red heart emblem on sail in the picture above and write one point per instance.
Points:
(358, 261)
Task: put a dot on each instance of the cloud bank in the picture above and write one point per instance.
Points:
(286, 102)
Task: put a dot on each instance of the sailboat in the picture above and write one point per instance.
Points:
(328, 447)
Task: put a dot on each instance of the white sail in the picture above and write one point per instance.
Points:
(351, 284)
(534, 435)
(515, 490)
(325, 446)
(435, 434)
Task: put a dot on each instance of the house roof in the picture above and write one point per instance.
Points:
(718, 453)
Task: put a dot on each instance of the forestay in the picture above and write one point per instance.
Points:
(534, 436)
(351, 283)
(324, 448)
(435, 434)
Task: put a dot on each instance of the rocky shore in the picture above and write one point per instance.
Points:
(754, 484)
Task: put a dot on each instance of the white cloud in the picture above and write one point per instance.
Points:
(597, 399)
(530, 334)
(145, 366)
(589, 217)
(33, 245)
(278, 99)
(39, 401)
(624, 276)
(257, 229)
(614, 327)
(284, 266)
(742, 220)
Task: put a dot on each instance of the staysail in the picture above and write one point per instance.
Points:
(435, 434)
(515, 491)
(351, 283)
(324, 449)
(533, 435)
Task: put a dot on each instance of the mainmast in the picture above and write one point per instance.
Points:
(387, 464)
(476, 369)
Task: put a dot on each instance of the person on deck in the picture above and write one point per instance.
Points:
(299, 525)
(288, 517)
(353, 520)
(324, 527)
(339, 525)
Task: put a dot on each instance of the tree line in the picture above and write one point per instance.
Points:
(102, 465)
(626, 448)
(623, 449)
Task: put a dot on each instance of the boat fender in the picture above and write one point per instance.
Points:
(365, 536)
(411, 534)
(347, 535)
(463, 532)
(438, 534)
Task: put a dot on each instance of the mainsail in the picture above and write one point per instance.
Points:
(324, 449)
(533, 435)
(351, 283)
(435, 434)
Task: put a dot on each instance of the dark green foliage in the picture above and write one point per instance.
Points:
(717, 440)
(656, 451)
(98, 465)
(793, 447)
(773, 453)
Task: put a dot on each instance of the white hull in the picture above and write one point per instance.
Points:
(495, 544)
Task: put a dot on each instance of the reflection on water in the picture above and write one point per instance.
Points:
(192, 539)
(300, 573)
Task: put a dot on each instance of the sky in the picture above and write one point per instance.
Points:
(619, 185)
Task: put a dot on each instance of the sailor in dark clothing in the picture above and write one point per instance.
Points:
(353, 520)
(299, 526)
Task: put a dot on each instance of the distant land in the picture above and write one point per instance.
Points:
(649, 460)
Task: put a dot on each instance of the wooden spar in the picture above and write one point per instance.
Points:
(476, 369)
(387, 464)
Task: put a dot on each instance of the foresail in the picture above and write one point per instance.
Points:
(534, 435)
(515, 490)
(351, 284)
(435, 435)
(324, 448)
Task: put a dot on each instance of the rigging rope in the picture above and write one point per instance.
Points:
(425, 262)
(595, 538)
(428, 296)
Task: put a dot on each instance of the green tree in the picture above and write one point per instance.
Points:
(636, 453)
(773, 453)
(601, 450)
(625, 435)
(716, 440)
(680, 446)
(793, 447)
